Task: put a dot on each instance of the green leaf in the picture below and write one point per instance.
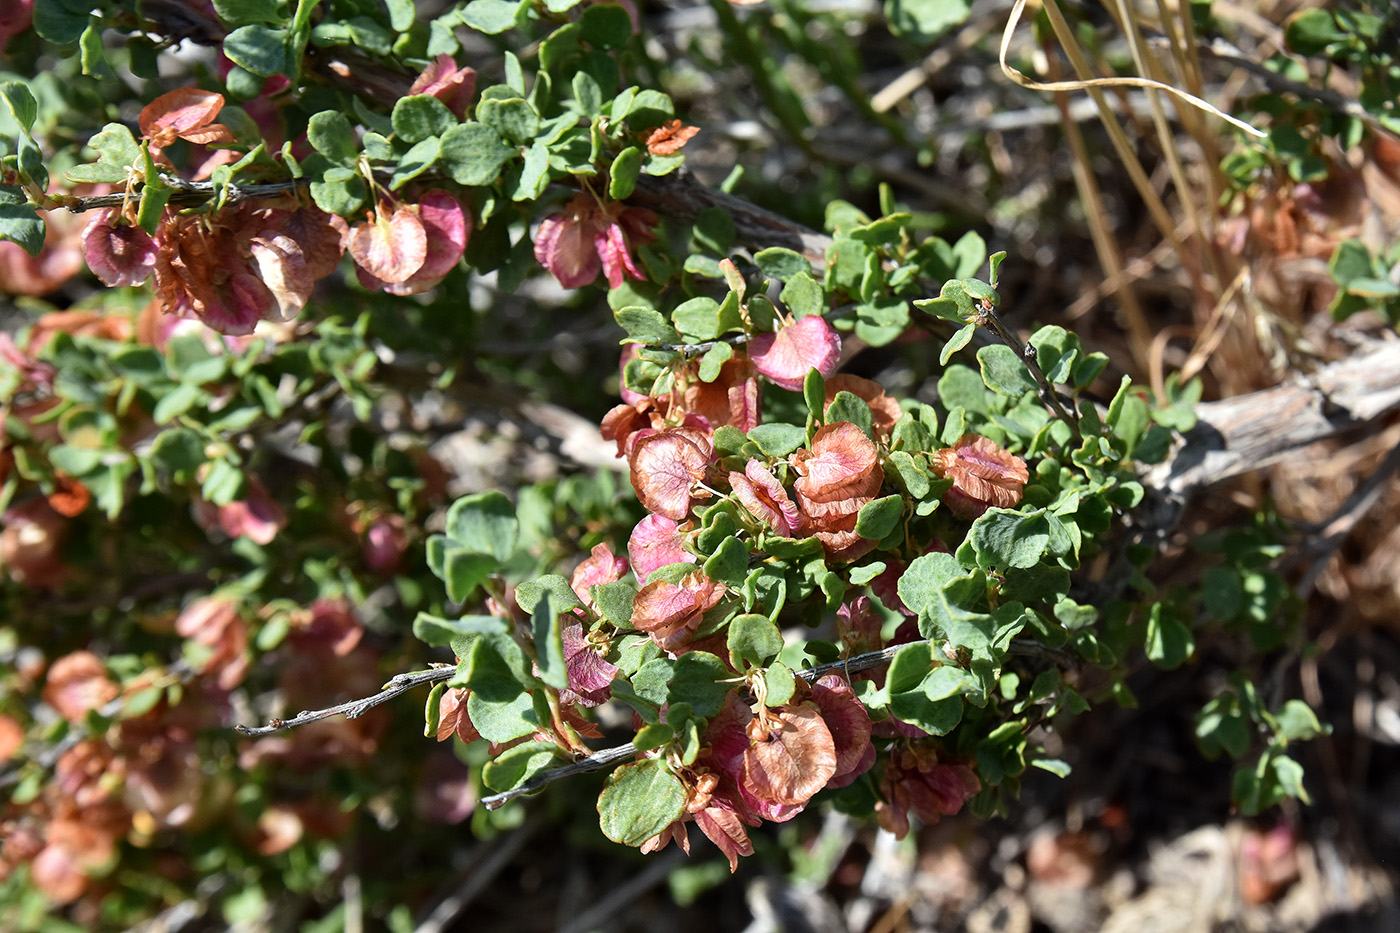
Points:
(729, 563)
(552, 585)
(1003, 539)
(803, 295)
(331, 134)
(180, 451)
(944, 595)
(21, 224)
(420, 116)
(492, 17)
(549, 643)
(924, 20)
(778, 262)
(258, 49)
(713, 361)
(622, 180)
(500, 705)
(1296, 722)
(61, 21)
(243, 12)
(1310, 32)
(606, 26)
(341, 197)
(697, 318)
(753, 639)
(463, 571)
(472, 154)
(913, 474)
(879, 517)
(847, 406)
(513, 118)
(614, 601)
(116, 149)
(1055, 766)
(415, 162)
(639, 801)
(515, 766)
(646, 325)
(21, 103)
(778, 440)
(1003, 370)
(436, 630)
(1169, 641)
(484, 523)
(696, 677)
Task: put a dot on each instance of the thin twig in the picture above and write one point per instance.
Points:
(398, 684)
(1048, 395)
(186, 192)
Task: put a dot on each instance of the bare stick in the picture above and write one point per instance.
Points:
(186, 192)
(398, 684)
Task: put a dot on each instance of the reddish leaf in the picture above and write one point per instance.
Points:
(392, 245)
(615, 252)
(118, 253)
(885, 410)
(842, 463)
(590, 676)
(453, 718)
(760, 492)
(70, 497)
(983, 476)
(665, 468)
(185, 112)
(448, 228)
(77, 683)
(668, 611)
(793, 758)
(656, 542)
(442, 79)
(847, 720)
(917, 783)
(588, 237)
(858, 627)
(257, 518)
(787, 356)
(564, 246)
(283, 271)
(669, 138)
(725, 829)
(599, 567)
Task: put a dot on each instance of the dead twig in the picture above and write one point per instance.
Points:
(398, 685)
